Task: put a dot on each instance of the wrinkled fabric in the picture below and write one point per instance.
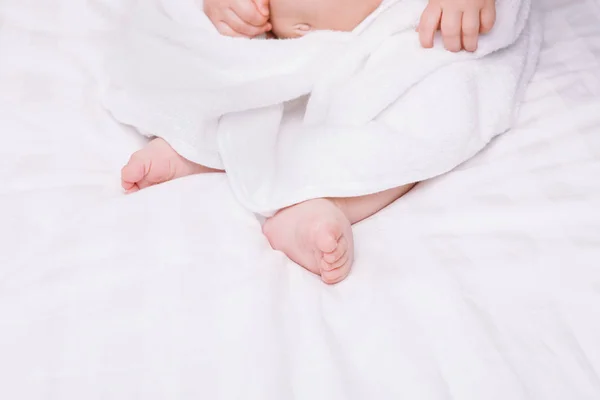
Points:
(332, 114)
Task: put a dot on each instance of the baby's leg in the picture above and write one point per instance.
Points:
(157, 163)
(358, 208)
(317, 234)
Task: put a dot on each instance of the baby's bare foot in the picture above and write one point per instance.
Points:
(315, 234)
(156, 163)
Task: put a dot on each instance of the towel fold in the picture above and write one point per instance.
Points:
(332, 114)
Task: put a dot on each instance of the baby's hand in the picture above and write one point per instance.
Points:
(461, 22)
(247, 18)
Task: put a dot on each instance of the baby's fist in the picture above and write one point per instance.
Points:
(242, 18)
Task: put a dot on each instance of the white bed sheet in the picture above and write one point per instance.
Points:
(481, 284)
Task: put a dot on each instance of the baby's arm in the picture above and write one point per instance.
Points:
(461, 22)
(241, 18)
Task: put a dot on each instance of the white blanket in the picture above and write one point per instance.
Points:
(331, 114)
(481, 284)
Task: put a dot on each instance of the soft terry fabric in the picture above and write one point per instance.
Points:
(331, 114)
(482, 284)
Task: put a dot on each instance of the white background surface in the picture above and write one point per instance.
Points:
(482, 284)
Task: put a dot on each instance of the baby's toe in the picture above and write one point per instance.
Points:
(338, 253)
(126, 184)
(133, 172)
(337, 275)
(337, 270)
(326, 266)
(327, 238)
(130, 187)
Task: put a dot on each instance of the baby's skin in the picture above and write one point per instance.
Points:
(286, 18)
(315, 234)
(294, 18)
(460, 22)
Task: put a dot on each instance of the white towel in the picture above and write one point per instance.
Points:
(332, 114)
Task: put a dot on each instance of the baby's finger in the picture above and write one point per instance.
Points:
(428, 25)
(249, 13)
(243, 28)
(451, 30)
(226, 30)
(488, 19)
(263, 7)
(470, 30)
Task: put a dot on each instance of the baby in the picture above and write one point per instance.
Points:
(460, 21)
(315, 234)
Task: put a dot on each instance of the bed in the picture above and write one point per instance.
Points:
(480, 284)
